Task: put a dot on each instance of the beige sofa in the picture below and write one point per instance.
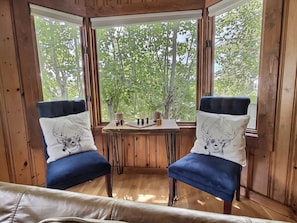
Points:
(21, 203)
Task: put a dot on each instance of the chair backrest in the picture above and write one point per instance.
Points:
(225, 105)
(51, 109)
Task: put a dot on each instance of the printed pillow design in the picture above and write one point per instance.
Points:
(67, 135)
(221, 135)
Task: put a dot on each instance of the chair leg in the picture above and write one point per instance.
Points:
(238, 193)
(227, 207)
(172, 190)
(238, 189)
(108, 185)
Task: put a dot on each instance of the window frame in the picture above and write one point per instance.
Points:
(269, 70)
(98, 79)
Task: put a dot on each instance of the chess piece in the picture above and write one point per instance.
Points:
(156, 115)
(159, 121)
(120, 116)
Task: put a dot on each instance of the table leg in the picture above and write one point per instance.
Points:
(173, 147)
(168, 151)
(116, 155)
(170, 141)
(108, 146)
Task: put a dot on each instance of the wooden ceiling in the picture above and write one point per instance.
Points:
(102, 8)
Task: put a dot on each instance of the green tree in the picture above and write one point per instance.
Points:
(59, 58)
(237, 50)
(148, 67)
(152, 67)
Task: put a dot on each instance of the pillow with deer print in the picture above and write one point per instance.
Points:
(221, 135)
(67, 135)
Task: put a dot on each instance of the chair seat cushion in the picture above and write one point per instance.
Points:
(75, 169)
(211, 174)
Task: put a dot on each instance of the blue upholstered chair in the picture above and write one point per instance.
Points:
(214, 175)
(77, 168)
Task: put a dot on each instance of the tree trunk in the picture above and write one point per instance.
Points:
(170, 98)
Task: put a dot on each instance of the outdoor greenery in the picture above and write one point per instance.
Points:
(60, 59)
(237, 50)
(152, 67)
(148, 67)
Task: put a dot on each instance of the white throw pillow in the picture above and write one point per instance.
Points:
(221, 135)
(67, 135)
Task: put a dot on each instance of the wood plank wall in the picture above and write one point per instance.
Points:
(12, 113)
(285, 135)
(271, 173)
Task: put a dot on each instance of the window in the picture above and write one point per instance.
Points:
(148, 67)
(237, 53)
(59, 52)
(148, 62)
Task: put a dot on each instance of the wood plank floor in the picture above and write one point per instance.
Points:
(152, 187)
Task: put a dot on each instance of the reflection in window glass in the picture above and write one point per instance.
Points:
(148, 67)
(237, 53)
(59, 51)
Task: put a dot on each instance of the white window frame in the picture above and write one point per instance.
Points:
(112, 21)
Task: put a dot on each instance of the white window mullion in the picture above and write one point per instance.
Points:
(37, 10)
(224, 6)
(144, 18)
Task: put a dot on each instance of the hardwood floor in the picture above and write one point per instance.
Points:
(152, 187)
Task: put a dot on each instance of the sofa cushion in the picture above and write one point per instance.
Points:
(31, 204)
(67, 135)
(221, 135)
(77, 220)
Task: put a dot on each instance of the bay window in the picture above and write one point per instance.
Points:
(148, 62)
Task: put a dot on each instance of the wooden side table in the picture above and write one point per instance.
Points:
(168, 127)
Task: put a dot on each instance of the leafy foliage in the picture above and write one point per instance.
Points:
(60, 59)
(237, 50)
(152, 67)
(148, 67)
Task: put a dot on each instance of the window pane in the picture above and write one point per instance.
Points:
(146, 68)
(59, 51)
(237, 53)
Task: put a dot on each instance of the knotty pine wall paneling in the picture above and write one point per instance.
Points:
(287, 100)
(5, 22)
(76, 7)
(161, 154)
(141, 150)
(293, 186)
(31, 85)
(12, 110)
(5, 172)
(185, 140)
(261, 146)
(101, 8)
(153, 154)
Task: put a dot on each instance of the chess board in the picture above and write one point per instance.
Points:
(134, 124)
